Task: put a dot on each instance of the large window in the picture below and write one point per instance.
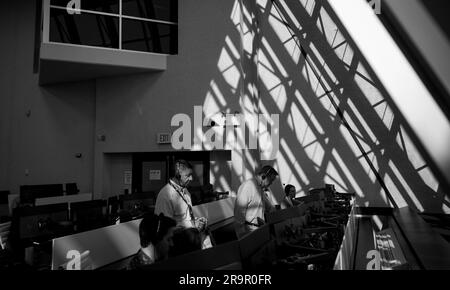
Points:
(137, 25)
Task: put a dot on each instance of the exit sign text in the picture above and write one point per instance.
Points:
(164, 138)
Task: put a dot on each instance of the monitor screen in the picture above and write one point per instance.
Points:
(41, 221)
(88, 215)
(137, 202)
(28, 193)
(4, 197)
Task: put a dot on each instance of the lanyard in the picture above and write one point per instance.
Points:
(191, 213)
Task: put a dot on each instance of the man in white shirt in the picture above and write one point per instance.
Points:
(174, 200)
(252, 201)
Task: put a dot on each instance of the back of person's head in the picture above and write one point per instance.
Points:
(153, 228)
(180, 166)
(267, 171)
(186, 240)
(287, 189)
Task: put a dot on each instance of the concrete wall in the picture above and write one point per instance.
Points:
(61, 118)
(131, 110)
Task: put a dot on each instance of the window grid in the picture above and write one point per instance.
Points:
(47, 16)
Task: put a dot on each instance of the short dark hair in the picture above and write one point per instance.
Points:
(180, 165)
(268, 170)
(186, 240)
(288, 188)
(153, 228)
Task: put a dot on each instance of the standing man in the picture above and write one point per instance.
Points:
(174, 200)
(252, 201)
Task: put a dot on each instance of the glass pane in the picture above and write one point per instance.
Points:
(108, 6)
(85, 29)
(149, 36)
(166, 10)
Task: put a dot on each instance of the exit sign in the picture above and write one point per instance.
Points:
(164, 138)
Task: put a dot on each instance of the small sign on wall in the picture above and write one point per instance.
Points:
(164, 138)
(155, 175)
(127, 177)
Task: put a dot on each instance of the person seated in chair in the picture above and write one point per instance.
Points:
(155, 233)
(290, 196)
(186, 240)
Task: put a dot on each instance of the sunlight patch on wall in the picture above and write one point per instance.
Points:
(385, 113)
(273, 85)
(333, 177)
(218, 93)
(406, 187)
(410, 150)
(250, 160)
(287, 176)
(249, 114)
(396, 195)
(287, 11)
(279, 97)
(346, 54)
(274, 57)
(351, 143)
(224, 184)
(302, 131)
(309, 112)
(247, 16)
(446, 207)
(232, 48)
(401, 81)
(210, 106)
(363, 123)
(327, 27)
(278, 26)
(429, 179)
(229, 70)
(326, 103)
(284, 36)
(262, 4)
(236, 13)
(267, 73)
(371, 93)
(309, 76)
(292, 160)
(366, 167)
(309, 5)
(316, 153)
(347, 173)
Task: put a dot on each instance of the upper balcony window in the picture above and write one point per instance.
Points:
(135, 25)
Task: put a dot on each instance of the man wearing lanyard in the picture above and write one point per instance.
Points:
(174, 200)
(252, 201)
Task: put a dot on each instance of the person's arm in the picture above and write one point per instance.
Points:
(164, 205)
(268, 205)
(296, 202)
(241, 206)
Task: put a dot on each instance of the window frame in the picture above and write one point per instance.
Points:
(47, 6)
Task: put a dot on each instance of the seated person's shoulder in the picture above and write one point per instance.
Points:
(139, 259)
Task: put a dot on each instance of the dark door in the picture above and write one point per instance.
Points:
(153, 170)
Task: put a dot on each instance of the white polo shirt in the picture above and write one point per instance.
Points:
(249, 206)
(170, 203)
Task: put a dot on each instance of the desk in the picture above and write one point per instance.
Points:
(64, 199)
(215, 211)
(106, 245)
